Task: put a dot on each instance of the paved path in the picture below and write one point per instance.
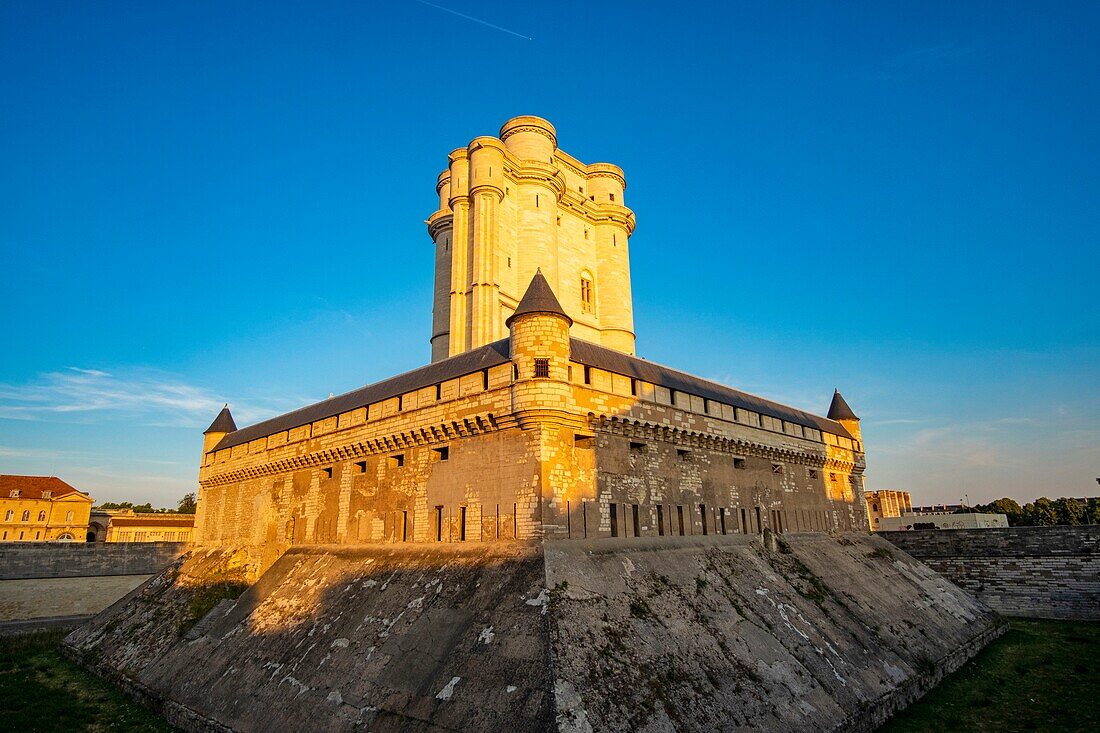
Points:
(46, 597)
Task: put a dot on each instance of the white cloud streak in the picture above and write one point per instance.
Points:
(149, 397)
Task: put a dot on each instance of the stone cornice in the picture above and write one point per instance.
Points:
(439, 222)
(423, 435)
(644, 429)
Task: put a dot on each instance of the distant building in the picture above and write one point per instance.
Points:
(937, 509)
(886, 503)
(97, 525)
(150, 527)
(42, 509)
(942, 520)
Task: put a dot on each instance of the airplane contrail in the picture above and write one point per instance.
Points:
(475, 20)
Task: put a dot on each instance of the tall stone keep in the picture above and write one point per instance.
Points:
(512, 205)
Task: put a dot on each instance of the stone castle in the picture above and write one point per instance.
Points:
(537, 531)
(534, 419)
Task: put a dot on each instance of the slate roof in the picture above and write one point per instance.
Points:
(496, 353)
(31, 487)
(539, 298)
(480, 358)
(223, 423)
(839, 409)
(631, 366)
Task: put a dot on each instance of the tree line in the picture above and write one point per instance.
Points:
(186, 506)
(1044, 512)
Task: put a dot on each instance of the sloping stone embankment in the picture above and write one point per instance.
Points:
(684, 634)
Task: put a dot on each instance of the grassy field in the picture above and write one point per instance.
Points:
(41, 691)
(1039, 676)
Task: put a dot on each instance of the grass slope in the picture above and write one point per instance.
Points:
(41, 691)
(1039, 676)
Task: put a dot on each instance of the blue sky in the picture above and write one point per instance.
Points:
(203, 204)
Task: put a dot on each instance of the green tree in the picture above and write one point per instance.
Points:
(187, 504)
(1009, 507)
(1041, 513)
(1070, 511)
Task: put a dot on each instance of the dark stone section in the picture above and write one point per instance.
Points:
(825, 633)
(1036, 572)
(378, 638)
(19, 560)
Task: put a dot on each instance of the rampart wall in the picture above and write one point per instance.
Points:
(21, 560)
(1038, 572)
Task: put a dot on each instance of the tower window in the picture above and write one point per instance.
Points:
(586, 294)
(542, 368)
(612, 196)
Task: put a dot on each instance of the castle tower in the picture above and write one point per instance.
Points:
(514, 205)
(839, 411)
(223, 425)
(539, 330)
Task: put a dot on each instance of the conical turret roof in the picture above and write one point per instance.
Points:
(839, 409)
(539, 298)
(223, 423)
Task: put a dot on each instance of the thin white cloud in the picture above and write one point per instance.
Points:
(148, 397)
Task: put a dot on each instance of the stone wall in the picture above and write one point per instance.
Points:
(20, 560)
(1037, 572)
(688, 633)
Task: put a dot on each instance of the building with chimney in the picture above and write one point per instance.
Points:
(534, 418)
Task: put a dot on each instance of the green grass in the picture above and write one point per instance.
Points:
(1039, 676)
(41, 692)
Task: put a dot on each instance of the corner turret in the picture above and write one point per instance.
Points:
(842, 413)
(223, 425)
(539, 334)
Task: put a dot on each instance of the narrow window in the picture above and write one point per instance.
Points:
(9, 516)
(462, 523)
(633, 387)
(586, 234)
(484, 379)
(637, 524)
(660, 520)
(398, 460)
(777, 468)
(26, 516)
(559, 221)
(703, 516)
(680, 519)
(400, 403)
(542, 368)
(587, 375)
(509, 262)
(586, 294)
(739, 463)
(361, 467)
(442, 454)
(612, 196)
(438, 392)
(439, 524)
(744, 521)
(568, 520)
(614, 519)
(813, 473)
(42, 517)
(515, 372)
(722, 519)
(683, 454)
(759, 526)
(327, 472)
(536, 200)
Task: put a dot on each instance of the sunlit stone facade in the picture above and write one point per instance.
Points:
(534, 418)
